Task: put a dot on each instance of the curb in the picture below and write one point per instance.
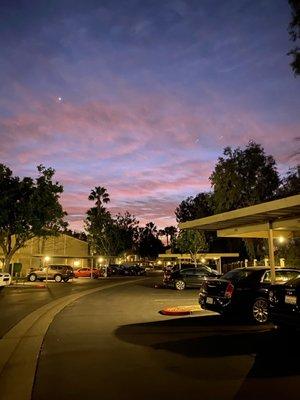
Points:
(180, 310)
(24, 286)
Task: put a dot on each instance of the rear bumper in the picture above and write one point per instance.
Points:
(220, 305)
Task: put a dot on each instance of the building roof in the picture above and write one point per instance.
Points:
(253, 221)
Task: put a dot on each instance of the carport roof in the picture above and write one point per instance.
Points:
(253, 221)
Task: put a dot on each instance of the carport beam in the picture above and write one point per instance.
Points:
(271, 251)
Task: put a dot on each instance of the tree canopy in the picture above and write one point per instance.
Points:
(109, 235)
(28, 208)
(196, 207)
(244, 177)
(148, 244)
(191, 241)
(294, 32)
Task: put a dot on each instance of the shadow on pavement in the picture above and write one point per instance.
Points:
(275, 354)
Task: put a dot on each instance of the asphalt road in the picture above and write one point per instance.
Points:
(114, 344)
(16, 303)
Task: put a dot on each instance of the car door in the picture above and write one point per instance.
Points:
(85, 272)
(201, 273)
(189, 277)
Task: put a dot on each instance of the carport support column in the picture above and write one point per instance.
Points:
(219, 265)
(271, 252)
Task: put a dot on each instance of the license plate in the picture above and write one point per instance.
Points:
(209, 300)
(290, 299)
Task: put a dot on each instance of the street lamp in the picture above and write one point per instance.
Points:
(281, 239)
(46, 260)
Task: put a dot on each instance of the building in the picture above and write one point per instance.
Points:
(40, 251)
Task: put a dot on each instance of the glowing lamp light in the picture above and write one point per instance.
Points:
(76, 263)
(203, 260)
(46, 259)
(281, 239)
(100, 259)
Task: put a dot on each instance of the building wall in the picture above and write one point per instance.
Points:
(62, 249)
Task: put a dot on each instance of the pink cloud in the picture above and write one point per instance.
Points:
(143, 148)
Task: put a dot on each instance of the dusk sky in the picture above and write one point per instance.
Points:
(141, 97)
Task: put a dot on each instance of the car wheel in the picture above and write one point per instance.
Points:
(32, 277)
(58, 278)
(260, 310)
(180, 285)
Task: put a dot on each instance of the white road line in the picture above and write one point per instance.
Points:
(20, 346)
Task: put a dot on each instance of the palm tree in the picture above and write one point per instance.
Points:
(161, 233)
(170, 231)
(100, 195)
(151, 228)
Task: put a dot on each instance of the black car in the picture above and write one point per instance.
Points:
(114, 269)
(284, 303)
(243, 291)
(191, 277)
(138, 270)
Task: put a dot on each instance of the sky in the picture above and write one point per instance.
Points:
(142, 96)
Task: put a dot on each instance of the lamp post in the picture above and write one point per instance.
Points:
(46, 260)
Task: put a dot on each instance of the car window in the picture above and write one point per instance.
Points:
(237, 274)
(284, 276)
(281, 276)
(188, 272)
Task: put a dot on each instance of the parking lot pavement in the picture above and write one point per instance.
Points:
(21, 299)
(116, 345)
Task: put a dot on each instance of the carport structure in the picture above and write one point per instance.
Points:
(273, 219)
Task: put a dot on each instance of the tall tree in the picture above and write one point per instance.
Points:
(244, 177)
(290, 184)
(191, 241)
(170, 232)
(128, 230)
(294, 32)
(28, 208)
(191, 208)
(109, 235)
(100, 196)
(149, 245)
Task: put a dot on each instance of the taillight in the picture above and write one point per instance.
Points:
(229, 290)
(203, 290)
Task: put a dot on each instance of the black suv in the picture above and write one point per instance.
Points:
(190, 277)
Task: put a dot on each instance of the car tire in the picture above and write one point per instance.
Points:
(32, 278)
(260, 311)
(58, 278)
(180, 285)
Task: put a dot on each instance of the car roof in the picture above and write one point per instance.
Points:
(263, 268)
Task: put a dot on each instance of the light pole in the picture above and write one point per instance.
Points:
(46, 259)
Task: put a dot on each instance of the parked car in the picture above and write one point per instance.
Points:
(5, 279)
(114, 269)
(137, 270)
(191, 277)
(57, 272)
(284, 303)
(243, 291)
(128, 270)
(86, 273)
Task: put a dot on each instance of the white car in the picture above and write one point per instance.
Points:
(5, 279)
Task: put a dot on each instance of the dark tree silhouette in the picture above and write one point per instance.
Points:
(294, 32)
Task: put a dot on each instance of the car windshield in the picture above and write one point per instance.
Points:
(236, 275)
